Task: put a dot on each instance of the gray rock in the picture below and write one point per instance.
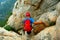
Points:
(47, 34)
(57, 28)
(35, 7)
(8, 35)
(44, 6)
(58, 7)
(48, 5)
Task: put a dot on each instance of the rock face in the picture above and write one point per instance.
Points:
(49, 18)
(47, 34)
(58, 22)
(44, 10)
(58, 7)
(9, 38)
(8, 35)
(36, 7)
(18, 15)
(48, 4)
(57, 28)
(53, 32)
(43, 6)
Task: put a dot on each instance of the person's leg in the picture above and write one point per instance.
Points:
(26, 35)
(29, 33)
(22, 31)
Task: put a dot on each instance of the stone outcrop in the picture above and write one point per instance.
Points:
(57, 28)
(36, 7)
(46, 34)
(8, 35)
(58, 22)
(48, 18)
(41, 10)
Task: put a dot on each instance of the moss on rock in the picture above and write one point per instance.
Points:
(9, 28)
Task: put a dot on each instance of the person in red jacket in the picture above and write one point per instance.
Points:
(28, 21)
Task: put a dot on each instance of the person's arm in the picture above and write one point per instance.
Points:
(32, 21)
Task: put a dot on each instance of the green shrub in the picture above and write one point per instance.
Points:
(3, 22)
(9, 28)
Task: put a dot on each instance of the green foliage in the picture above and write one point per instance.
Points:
(9, 28)
(3, 22)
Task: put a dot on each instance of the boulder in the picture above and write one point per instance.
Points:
(53, 16)
(44, 18)
(8, 35)
(48, 33)
(58, 7)
(57, 28)
(35, 7)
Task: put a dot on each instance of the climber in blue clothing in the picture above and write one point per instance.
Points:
(28, 21)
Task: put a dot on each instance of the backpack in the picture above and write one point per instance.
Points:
(27, 25)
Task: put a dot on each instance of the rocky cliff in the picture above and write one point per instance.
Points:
(46, 11)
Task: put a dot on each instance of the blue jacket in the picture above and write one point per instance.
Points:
(31, 19)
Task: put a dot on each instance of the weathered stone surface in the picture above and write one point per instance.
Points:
(14, 22)
(46, 34)
(8, 35)
(48, 4)
(49, 33)
(53, 16)
(44, 6)
(17, 16)
(50, 16)
(57, 28)
(47, 18)
(58, 22)
(58, 7)
(20, 8)
(44, 18)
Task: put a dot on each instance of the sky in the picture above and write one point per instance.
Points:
(6, 6)
(2, 0)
